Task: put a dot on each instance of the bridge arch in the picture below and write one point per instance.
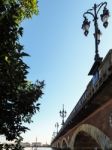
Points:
(92, 132)
(64, 143)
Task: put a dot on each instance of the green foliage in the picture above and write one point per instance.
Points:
(18, 97)
(25, 8)
(15, 146)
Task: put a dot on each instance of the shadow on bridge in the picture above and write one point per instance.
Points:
(85, 142)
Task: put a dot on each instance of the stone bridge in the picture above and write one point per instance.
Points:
(89, 125)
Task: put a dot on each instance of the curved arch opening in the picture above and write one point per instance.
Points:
(64, 144)
(84, 141)
(87, 132)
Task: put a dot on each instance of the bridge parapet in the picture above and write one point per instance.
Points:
(89, 96)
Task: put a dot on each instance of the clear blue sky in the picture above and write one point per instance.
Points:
(62, 56)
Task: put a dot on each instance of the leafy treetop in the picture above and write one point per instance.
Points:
(26, 7)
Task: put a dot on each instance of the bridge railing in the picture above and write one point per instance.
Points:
(104, 71)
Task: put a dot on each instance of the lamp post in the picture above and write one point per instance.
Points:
(63, 114)
(94, 12)
(53, 135)
(57, 126)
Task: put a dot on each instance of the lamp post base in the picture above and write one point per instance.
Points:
(95, 66)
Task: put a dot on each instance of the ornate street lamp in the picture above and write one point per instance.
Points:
(63, 114)
(86, 25)
(53, 135)
(57, 126)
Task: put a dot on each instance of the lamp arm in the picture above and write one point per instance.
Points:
(88, 12)
(100, 5)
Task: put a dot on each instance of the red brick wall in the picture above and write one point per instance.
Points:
(99, 119)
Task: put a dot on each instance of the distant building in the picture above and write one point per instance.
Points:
(26, 144)
(36, 144)
(46, 145)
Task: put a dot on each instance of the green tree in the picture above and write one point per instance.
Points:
(18, 96)
(25, 8)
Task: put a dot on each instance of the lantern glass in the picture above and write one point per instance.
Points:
(105, 18)
(86, 27)
(98, 36)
